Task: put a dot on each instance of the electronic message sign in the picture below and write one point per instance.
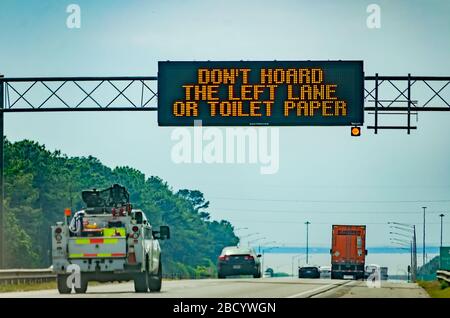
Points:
(273, 93)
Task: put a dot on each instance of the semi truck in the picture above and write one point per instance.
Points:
(348, 251)
(106, 241)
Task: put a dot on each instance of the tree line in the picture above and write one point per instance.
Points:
(40, 184)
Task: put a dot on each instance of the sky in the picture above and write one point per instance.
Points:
(325, 176)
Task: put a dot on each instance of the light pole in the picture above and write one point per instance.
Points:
(307, 240)
(263, 251)
(265, 243)
(400, 241)
(401, 234)
(411, 229)
(246, 236)
(423, 247)
(442, 216)
(293, 258)
(256, 240)
(239, 229)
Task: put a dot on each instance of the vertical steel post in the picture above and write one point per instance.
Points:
(409, 103)
(376, 103)
(2, 212)
(412, 260)
(307, 242)
(423, 247)
(292, 259)
(442, 217)
(262, 262)
(414, 273)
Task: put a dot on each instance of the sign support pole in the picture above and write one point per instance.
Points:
(2, 212)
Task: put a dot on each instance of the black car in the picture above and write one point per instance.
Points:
(235, 260)
(308, 272)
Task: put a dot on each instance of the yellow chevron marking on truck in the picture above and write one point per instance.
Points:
(88, 255)
(83, 241)
(97, 241)
(110, 241)
(75, 255)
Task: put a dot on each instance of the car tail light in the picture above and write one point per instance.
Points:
(223, 257)
(58, 230)
(248, 257)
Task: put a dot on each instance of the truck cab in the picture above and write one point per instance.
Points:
(107, 241)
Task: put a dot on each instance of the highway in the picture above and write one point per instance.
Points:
(244, 288)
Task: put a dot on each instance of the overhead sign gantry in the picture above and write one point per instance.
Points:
(382, 95)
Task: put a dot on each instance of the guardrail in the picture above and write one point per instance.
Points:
(443, 275)
(33, 276)
(178, 276)
(26, 276)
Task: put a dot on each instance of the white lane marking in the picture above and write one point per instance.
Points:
(317, 289)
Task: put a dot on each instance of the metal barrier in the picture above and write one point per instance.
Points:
(26, 276)
(33, 276)
(443, 275)
(179, 276)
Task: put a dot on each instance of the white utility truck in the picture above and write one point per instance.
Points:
(107, 241)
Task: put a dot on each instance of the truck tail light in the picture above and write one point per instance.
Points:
(58, 230)
(58, 237)
(135, 228)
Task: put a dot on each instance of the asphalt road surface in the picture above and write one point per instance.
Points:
(245, 288)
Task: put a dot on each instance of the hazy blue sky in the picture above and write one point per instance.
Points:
(325, 164)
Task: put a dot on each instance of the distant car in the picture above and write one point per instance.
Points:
(325, 271)
(308, 272)
(235, 260)
(267, 275)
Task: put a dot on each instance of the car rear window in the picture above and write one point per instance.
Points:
(237, 251)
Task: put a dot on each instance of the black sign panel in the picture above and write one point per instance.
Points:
(273, 93)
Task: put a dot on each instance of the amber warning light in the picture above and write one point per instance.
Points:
(67, 212)
(356, 131)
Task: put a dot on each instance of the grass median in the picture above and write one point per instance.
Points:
(436, 289)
